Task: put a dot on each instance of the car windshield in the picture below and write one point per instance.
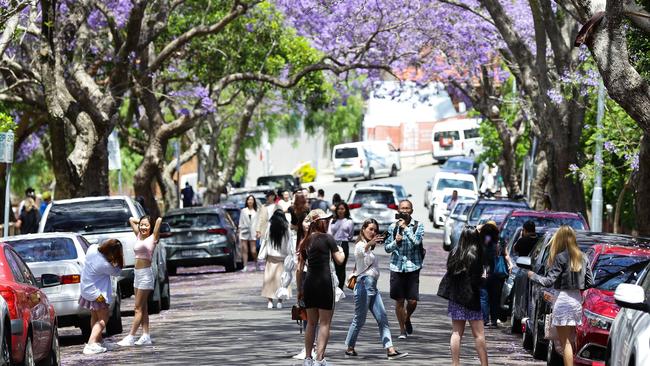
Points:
(45, 249)
(86, 217)
(401, 192)
(457, 165)
(366, 196)
(197, 220)
(515, 222)
(486, 205)
(613, 269)
(346, 153)
(454, 183)
(238, 198)
(461, 209)
(276, 182)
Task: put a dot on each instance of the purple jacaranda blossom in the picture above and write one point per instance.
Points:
(573, 168)
(609, 146)
(555, 96)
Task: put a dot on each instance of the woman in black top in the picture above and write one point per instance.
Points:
(298, 212)
(29, 217)
(318, 289)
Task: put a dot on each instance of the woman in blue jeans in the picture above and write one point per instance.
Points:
(366, 295)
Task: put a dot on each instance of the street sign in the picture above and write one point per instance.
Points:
(6, 147)
(114, 156)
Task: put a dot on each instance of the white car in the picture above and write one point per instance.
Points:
(64, 254)
(629, 336)
(442, 188)
(456, 138)
(458, 214)
(366, 160)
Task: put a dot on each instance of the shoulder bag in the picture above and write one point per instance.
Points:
(352, 280)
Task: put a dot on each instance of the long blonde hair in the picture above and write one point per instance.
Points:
(565, 239)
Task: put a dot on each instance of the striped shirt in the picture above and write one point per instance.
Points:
(405, 257)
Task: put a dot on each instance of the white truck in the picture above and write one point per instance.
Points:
(107, 217)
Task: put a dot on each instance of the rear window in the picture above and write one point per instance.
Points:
(458, 165)
(276, 182)
(193, 221)
(446, 134)
(346, 153)
(613, 269)
(45, 249)
(471, 134)
(454, 183)
(239, 198)
(374, 196)
(482, 206)
(514, 223)
(85, 217)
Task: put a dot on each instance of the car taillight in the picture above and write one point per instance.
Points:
(354, 205)
(360, 163)
(462, 145)
(218, 231)
(392, 206)
(10, 298)
(70, 279)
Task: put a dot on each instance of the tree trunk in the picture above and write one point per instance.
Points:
(508, 167)
(566, 192)
(168, 183)
(642, 192)
(619, 204)
(539, 186)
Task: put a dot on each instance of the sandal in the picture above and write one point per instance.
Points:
(352, 353)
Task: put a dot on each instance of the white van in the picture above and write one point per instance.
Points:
(455, 138)
(365, 159)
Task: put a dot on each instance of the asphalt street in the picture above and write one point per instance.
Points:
(219, 318)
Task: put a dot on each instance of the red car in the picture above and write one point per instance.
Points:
(35, 337)
(611, 266)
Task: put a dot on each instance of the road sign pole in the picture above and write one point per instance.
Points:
(5, 231)
(597, 196)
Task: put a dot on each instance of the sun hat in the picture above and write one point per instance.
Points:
(316, 214)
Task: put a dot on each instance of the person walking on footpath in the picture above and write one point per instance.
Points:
(366, 294)
(570, 273)
(461, 286)
(404, 244)
(317, 292)
(29, 217)
(320, 202)
(277, 245)
(247, 231)
(29, 193)
(143, 284)
(342, 229)
(265, 214)
(188, 195)
(102, 262)
(336, 199)
(494, 279)
(298, 211)
(46, 198)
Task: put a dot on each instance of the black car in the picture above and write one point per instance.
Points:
(201, 236)
(529, 299)
(487, 204)
(285, 182)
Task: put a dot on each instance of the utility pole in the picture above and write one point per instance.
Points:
(597, 196)
(7, 157)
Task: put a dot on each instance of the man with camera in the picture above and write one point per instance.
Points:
(404, 244)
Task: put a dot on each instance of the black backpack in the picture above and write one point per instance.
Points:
(423, 251)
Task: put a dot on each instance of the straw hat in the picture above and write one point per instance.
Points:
(316, 214)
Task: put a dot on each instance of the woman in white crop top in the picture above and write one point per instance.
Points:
(143, 282)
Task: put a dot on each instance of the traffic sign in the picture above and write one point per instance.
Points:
(6, 147)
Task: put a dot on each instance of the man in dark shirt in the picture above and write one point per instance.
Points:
(528, 239)
(188, 194)
(320, 202)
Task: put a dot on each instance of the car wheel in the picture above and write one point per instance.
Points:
(515, 323)
(6, 344)
(165, 301)
(431, 214)
(527, 339)
(172, 270)
(114, 325)
(344, 179)
(231, 264)
(371, 174)
(553, 358)
(54, 358)
(28, 360)
(539, 343)
(393, 171)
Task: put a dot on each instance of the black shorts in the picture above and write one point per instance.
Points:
(405, 285)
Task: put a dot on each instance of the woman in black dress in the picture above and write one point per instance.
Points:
(316, 249)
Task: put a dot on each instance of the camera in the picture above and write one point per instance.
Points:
(401, 216)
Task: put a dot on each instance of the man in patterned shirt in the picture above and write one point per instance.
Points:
(404, 244)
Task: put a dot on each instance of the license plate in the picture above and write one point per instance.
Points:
(191, 253)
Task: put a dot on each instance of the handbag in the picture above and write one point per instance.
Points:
(298, 313)
(550, 331)
(352, 280)
(500, 268)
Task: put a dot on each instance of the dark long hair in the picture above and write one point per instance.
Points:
(278, 228)
(347, 211)
(336, 199)
(254, 201)
(318, 226)
(467, 252)
(111, 249)
(365, 224)
(299, 204)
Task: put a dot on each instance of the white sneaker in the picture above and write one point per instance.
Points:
(308, 362)
(93, 349)
(144, 340)
(322, 362)
(301, 355)
(278, 305)
(269, 305)
(245, 269)
(110, 346)
(128, 341)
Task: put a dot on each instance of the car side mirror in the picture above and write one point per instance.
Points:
(631, 296)
(165, 230)
(524, 262)
(50, 280)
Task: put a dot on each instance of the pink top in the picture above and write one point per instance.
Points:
(144, 248)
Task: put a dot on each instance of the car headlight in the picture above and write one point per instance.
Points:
(598, 321)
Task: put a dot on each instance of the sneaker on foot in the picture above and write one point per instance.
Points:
(279, 305)
(322, 362)
(110, 346)
(144, 340)
(397, 355)
(128, 341)
(269, 305)
(245, 269)
(409, 327)
(308, 362)
(402, 336)
(93, 349)
(301, 355)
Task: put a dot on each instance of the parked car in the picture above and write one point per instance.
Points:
(286, 182)
(456, 138)
(34, 331)
(201, 236)
(629, 336)
(461, 164)
(457, 217)
(64, 254)
(365, 159)
(483, 204)
(444, 183)
(548, 219)
(104, 217)
(532, 302)
(399, 190)
(375, 202)
(237, 196)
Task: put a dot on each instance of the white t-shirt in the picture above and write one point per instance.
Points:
(96, 276)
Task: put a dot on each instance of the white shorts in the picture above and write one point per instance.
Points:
(143, 279)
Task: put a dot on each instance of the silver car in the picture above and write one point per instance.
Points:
(454, 223)
(64, 254)
(379, 203)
